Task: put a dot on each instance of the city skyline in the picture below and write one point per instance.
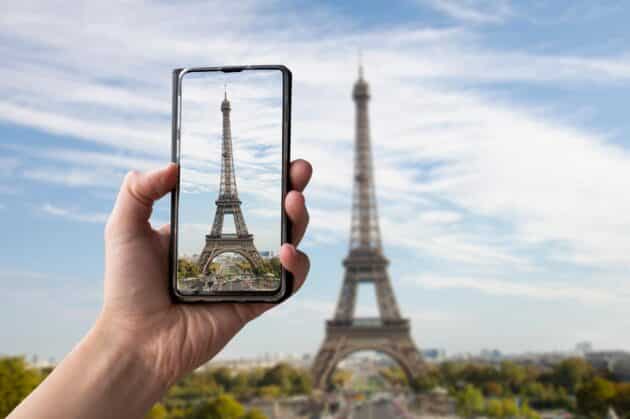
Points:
(502, 129)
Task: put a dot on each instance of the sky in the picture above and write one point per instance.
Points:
(255, 98)
(500, 138)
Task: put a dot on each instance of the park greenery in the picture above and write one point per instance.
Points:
(509, 390)
(214, 393)
(187, 268)
(222, 392)
(505, 390)
(17, 380)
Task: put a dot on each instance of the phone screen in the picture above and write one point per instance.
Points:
(231, 182)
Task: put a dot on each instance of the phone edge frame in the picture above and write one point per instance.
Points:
(287, 279)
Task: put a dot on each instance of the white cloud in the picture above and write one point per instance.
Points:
(475, 11)
(75, 215)
(550, 291)
(74, 176)
(464, 178)
(414, 124)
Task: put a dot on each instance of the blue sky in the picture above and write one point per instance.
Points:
(501, 146)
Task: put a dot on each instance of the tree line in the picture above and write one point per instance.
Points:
(497, 391)
(215, 393)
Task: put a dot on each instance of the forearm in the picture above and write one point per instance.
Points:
(100, 378)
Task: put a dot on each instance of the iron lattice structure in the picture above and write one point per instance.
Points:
(228, 202)
(388, 333)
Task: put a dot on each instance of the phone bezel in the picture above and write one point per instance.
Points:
(286, 280)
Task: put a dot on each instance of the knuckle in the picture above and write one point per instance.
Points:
(131, 177)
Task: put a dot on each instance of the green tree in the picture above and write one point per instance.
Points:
(594, 397)
(493, 389)
(529, 413)
(395, 376)
(17, 380)
(470, 401)
(510, 408)
(571, 374)
(534, 390)
(341, 378)
(494, 408)
(187, 268)
(425, 382)
(301, 383)
(223, 377)
(290, 380)
(157, 412)
(270, 392)
(272, 266)
(244, 265)
(451, 373)
(513, 375)
(255, 414)
(621, 402)
(223, 407)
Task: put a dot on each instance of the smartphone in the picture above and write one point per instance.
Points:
(231, 139)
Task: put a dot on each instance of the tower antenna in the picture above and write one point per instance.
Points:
(360, 62)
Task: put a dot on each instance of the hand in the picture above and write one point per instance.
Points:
(138, 314)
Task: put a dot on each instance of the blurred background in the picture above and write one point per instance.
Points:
(502, 163)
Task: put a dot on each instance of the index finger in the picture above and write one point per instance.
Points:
(300, 173)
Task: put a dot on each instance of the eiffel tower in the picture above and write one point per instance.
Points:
(345, 334)
(218, 242)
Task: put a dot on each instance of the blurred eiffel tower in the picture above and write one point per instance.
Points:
(345, 334)
(228, 202)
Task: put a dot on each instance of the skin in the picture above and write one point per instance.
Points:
(141, 342)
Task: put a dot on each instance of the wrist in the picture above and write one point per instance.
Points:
(130, 365)
(105, 376)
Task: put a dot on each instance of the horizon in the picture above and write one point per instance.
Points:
(499, 140)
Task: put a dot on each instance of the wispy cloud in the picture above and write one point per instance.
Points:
(437, 154)
(75, 215)
(73, 177)
(468, 175)
(475, 11)
(504, 287)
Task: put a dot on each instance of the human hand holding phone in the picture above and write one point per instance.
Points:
(137, 305)
(142, 341)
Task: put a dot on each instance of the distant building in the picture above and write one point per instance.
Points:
(262, 361)
(615, 362)
(267, 254)
(584, 348)
(492, 355)
(434, 354)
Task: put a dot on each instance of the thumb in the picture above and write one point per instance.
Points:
(137, 194)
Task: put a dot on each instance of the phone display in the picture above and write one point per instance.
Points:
(231, 141)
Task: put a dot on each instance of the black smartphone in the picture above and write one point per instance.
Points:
(231, 137)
